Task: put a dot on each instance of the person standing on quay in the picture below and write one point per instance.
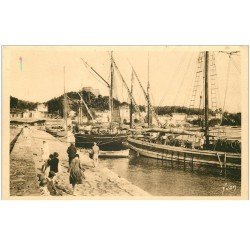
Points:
(25, 132)
(46, 166)
(76, 174)
(95, 150)
(71, 152)
(45, 154)
(54, 162)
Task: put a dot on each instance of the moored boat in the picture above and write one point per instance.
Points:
(104, 141)
(56, 130)
(185, 151)
(185, 155)
(113, 137)
(112, 154)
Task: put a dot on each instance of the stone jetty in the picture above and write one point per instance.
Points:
(26, 163)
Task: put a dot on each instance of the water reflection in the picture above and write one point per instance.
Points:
(160, 179)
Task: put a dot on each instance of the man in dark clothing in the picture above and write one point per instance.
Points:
(54, 163)
(71, 152)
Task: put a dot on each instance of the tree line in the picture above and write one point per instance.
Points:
(20, 105)
(101, 103)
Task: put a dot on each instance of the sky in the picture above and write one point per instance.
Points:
(39, 76)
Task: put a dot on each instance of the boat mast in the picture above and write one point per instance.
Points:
(148, 100)
(131, 102)
(137, 110)
(111, 87)
(206, 54)
(148, 88)
(65, 101)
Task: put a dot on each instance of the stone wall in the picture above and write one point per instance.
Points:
(23, 177)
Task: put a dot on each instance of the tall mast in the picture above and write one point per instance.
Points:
(148, 100)
(111, 86)
(131, 102)
(65, 113)
(137, 110)
(206, 54)
(148, 88)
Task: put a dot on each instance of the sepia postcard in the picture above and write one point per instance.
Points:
(125, 122)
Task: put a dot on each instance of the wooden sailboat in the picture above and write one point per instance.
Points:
(62, 129)
(188, 156)
(113, 139)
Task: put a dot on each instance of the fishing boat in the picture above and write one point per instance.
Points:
(104, 141)
(113, 139)
(199, 155)
(183, 155)
(60, 129)
(55, 130)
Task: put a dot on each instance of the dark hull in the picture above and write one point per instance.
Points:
(185, 156)
(56, 132)
(105, 142)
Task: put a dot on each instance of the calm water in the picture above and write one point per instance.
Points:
(160, 179)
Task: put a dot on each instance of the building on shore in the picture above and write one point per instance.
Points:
(95, 92)
(179, 117)
(40, 112)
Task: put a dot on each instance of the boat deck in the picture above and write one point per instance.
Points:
(185, 155)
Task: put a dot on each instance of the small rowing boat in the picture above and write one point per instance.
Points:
(112, 154)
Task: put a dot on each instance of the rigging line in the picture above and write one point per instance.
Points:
(153, 103)
(126, 86)
(146, 97)
(172, 77)
(190, 87)
(97, 78)
(235, 65)
(197, 81)
(184, 75)
(217, 80)
(228, 71)
(175, 73)
(96, 73)
(86, 106)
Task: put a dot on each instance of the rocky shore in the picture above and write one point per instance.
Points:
(26, 163)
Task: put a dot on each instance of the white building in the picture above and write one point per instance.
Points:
(179, 117)
(102, 116)
(125, 113)
(192, 117)
(41, 107)
(95, 92)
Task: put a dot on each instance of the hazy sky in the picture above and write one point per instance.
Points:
(171, 72)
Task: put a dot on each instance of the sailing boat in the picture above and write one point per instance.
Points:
(113, 138)
(184, 155)
(61, 130)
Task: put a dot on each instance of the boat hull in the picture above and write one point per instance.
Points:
(56, 132)
(192, 157)
(113, 154)
(105, 142)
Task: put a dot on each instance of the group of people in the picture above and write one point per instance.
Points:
(50, 161)
(50, 168)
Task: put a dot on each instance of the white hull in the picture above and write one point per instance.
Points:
(114, 154)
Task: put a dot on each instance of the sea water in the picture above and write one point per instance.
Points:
(160, 179)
